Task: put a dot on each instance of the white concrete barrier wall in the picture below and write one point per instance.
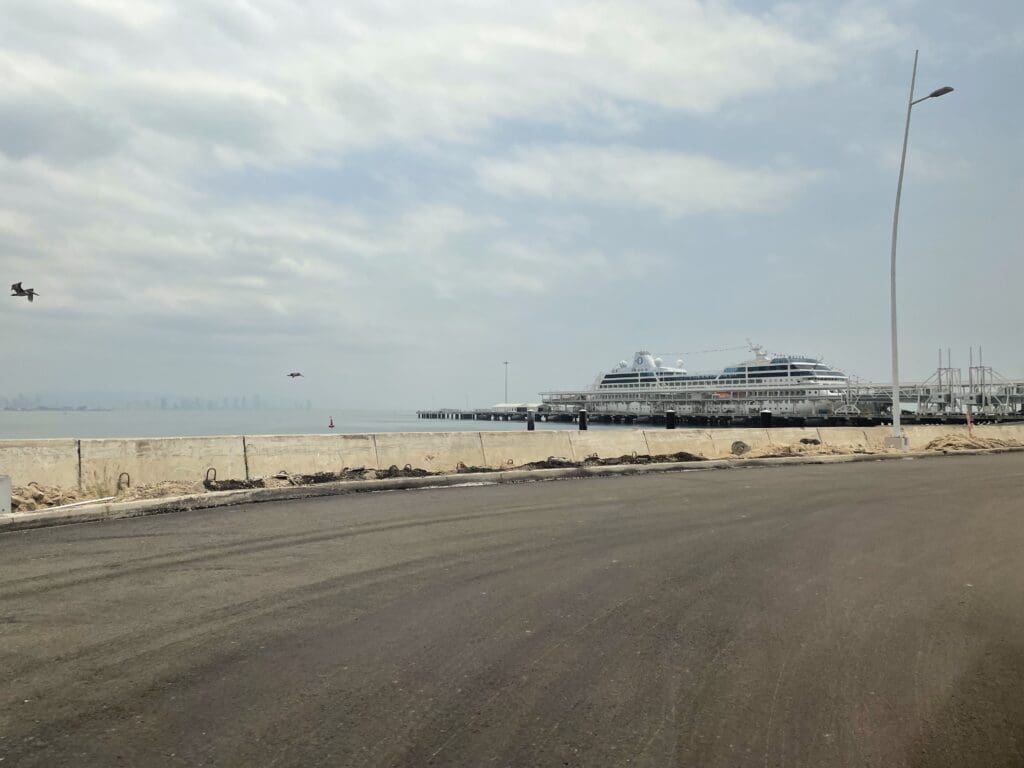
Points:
(876, 437)
(662, 442)
(722, 440)
(5, 494)
(918, 437)
(48, 462)
(792, 435)
(305, 454)
(159, 459)
(608, 444)
(1007, 432)
(98, 463)
(436, 451)
(844, 438)
(513, 449)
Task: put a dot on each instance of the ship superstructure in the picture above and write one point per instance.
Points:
(787, 385)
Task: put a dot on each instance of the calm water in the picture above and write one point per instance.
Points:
(41, 424)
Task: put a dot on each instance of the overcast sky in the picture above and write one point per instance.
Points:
(394, 198)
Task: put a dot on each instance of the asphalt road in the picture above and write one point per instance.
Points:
(866, 614)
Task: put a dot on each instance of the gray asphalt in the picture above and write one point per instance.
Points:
(860, 614)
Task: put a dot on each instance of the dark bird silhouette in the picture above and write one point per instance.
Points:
(17, 290)
(294, 374)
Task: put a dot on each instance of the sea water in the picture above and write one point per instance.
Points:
(192, 423)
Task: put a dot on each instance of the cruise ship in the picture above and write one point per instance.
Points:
(785, 385)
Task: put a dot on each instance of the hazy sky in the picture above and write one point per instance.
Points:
(396, 197)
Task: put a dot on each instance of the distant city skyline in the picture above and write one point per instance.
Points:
(957, 359)
(396, 199)
(25, 401)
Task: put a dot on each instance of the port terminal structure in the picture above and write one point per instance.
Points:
(947, 397)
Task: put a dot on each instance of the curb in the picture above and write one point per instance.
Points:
(90, 513)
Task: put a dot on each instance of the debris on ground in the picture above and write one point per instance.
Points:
(233, 485)
(326, 477)
(773, 451)
(283, 479)
(641, 458)
(31, 497)
(35, 497)
(739, 448)
(358, 473)
(407, 471)
(159, 490)
(970, 443)
(462, 469)
(551, 462)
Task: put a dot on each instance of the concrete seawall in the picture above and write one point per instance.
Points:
(158, 459)
(97, 464)
(53, 462)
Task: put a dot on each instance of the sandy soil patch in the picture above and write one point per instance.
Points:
(970, 443)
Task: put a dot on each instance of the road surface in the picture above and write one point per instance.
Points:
(867, 614)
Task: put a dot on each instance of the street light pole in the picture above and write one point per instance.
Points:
(898, 440)
(505, 363)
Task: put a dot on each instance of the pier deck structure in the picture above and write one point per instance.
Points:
(944, 398)
(947, 396)
(541, 411)
(861, 403)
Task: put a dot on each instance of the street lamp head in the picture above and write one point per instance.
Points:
(940, 92)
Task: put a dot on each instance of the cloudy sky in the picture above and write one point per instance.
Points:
(395, 197)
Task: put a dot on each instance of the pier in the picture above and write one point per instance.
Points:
(516, 413)
(943, 399)
(595, 415)
(857, 403)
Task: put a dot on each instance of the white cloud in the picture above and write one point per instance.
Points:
(119, 121)
(265, 81)
(675, 183)
(136, 13)
(930, 158)
(166, 257)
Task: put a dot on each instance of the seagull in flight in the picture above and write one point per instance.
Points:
(294, 375)
(17, 290)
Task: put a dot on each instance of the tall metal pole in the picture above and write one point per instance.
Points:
(505, 363)
(896, 433)
(982, 378)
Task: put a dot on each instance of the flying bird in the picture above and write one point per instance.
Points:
(17, 290)
(294, 374)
